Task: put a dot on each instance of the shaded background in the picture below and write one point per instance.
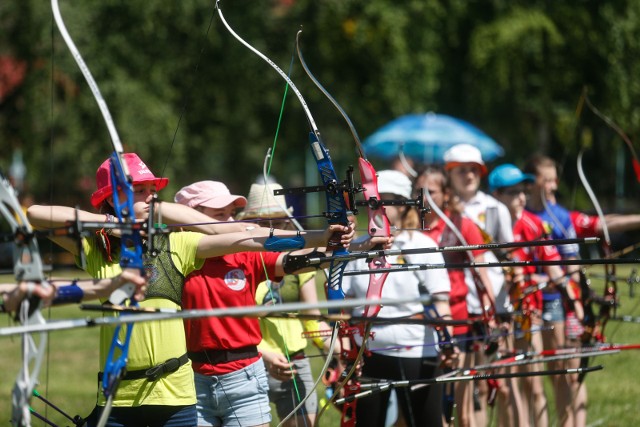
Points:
(514, 69)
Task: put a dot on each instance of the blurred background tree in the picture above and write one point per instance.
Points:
(196, 104)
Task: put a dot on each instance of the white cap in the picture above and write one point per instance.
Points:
(394, 182)
(463, 153)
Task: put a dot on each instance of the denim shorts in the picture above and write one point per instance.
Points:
(234, 399)
(553, 310)
(146, 415)
(285, 396)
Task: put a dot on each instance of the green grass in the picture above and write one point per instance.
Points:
(69, 377)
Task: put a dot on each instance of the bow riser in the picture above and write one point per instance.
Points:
(131, 248)
(335, 199)
(378, 221)
(348, 418)
(337, 206)
(378, 226)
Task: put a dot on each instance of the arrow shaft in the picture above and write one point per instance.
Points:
(254, 311)
(447, 379)
(459, 265)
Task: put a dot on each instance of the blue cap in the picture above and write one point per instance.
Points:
(507, 175)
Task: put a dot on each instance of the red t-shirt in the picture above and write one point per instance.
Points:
(585, 225)
(530, 227)
(227, 281)
(441, 234)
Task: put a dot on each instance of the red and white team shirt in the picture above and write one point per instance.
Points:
(527, 228)
(459, 283)
(585, 225)
(226, 281)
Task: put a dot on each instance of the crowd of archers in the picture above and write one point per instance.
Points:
(216, 371)
(459, 331)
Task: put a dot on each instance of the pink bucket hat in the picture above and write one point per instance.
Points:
(210, 194)
(138, 170)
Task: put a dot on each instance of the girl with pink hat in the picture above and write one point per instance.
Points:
(230, 376)
(168, 400)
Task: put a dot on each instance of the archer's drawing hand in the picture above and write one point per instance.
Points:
(449, 357)
(129, 275)
(278, 366)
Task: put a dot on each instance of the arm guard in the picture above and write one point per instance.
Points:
(292, 263)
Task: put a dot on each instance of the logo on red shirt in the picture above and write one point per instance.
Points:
(235, 279)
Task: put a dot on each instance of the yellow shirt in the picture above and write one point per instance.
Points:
(151, 342)
(279, 335)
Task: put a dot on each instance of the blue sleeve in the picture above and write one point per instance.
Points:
(566, 232)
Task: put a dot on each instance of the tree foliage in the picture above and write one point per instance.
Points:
(196, 104)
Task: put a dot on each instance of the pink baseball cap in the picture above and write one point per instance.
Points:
(210, 194)
(138, 170)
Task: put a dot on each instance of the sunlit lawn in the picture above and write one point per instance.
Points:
(69, 377)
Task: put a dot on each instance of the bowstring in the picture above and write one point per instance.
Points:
(51, 118)
(51, 191)
(267, 173)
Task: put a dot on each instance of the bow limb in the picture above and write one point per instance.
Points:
(405, 163)
(336, 206)
(27, 266)
(131, 240)
(594, 328)
(348, 418)
(610, 282)
(378, 226)
(113, 133)
(611, 286)
(593, 198)
(634, 156)
(447, 349)
(378, 223)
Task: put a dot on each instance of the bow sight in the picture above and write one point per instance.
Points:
(349, 189)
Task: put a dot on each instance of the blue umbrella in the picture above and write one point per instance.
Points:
(426, 137)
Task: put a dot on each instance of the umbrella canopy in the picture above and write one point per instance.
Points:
(426, 137)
